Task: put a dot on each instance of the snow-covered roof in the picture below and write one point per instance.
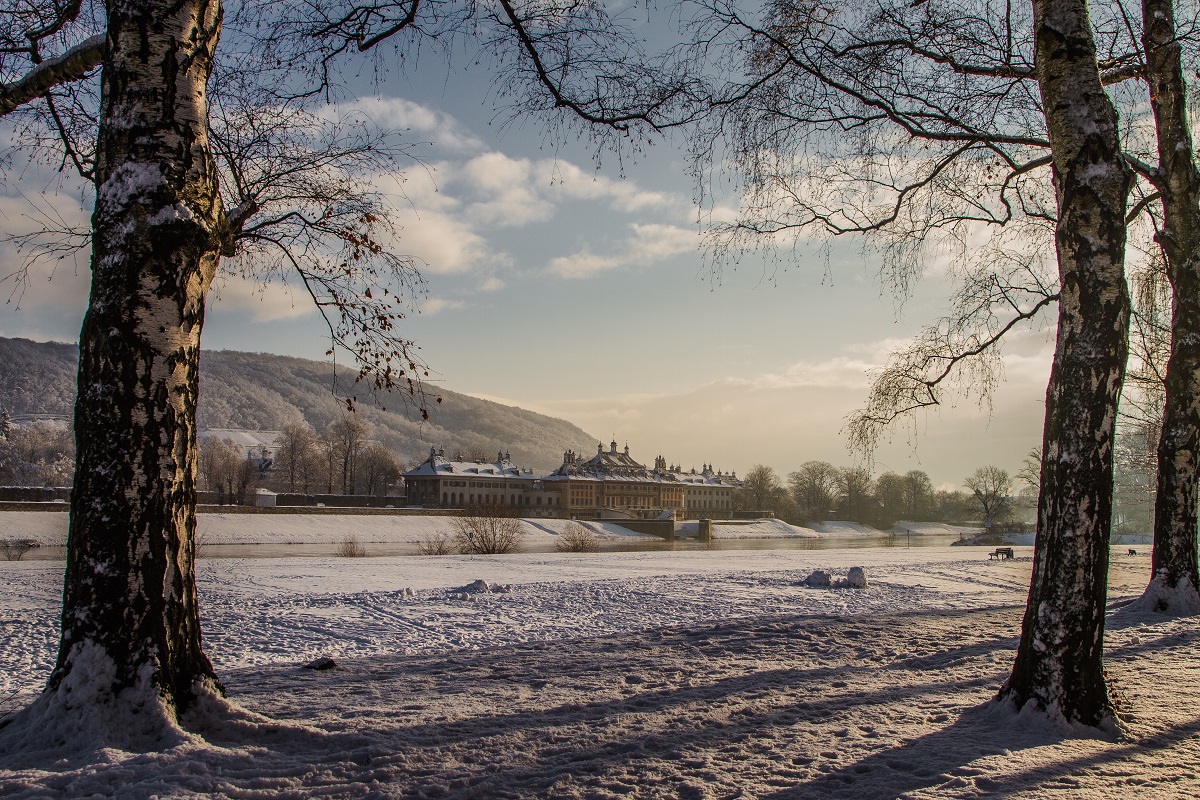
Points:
(438, 465)
(612, 464)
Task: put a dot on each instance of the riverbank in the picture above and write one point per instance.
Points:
(216, 529)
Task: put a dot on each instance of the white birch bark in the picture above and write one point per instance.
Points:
(1059, 664)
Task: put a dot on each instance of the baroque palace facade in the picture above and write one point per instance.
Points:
(610, 484)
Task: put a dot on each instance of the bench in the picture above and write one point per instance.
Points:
(1000, 554)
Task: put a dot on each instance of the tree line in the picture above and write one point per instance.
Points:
(341, 460)
(818, 491)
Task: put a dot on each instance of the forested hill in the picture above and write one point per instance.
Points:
(260, 391)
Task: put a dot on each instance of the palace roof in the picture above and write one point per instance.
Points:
(612, 464)
(438, 465)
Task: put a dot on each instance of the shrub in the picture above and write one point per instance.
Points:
(350, 548)
(577, 539)
(15, 549)
(436, 544)
(489, 529)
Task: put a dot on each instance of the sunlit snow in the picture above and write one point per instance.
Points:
(693, 674)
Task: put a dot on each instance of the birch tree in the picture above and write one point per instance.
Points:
(1175, 582)
(923, 126)
(131, 639)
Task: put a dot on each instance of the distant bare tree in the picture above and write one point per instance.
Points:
(577, 539)
(436, 544)
(348, 437)
(15, 549)
(918, 495)
(990, 487)
(891, 496)
(761, 489)
(377, 470)
(951, 506)
(854, 485)
(296, 454)
(814, 488)
(487, 529)
(226, 469)
(40, 454)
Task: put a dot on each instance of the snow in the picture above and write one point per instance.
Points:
(682, 674)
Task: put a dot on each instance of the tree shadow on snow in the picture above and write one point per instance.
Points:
(943, 760)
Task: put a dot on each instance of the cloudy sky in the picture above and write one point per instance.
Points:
(581, 289)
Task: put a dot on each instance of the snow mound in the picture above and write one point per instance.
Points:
(819, 579)
(908, 528)
(856, 578)
(836, 529)
(758, 529)
(1180, 600)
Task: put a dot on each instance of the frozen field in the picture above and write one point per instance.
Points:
(645, 675)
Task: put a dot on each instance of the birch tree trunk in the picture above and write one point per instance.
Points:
(1174, 584)
(1059, 664)
(130, 622)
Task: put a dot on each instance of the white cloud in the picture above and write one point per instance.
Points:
(444, 243)
(260, 302)
(509, 196)
(838, 372)
(492, 284)
(582, 265)
(437, 305)
(443, 130)
(653, 243)
(623, 195)
(650, 244)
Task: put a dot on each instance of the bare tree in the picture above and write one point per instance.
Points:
(378, 470)
(1060, 655)
(348, 437)
(918, 495)
(990, 488)
(296, 454)
(577, 539)
(39, 454)
(854, 486)
(488, 529)
(15, 549)
(222, 469)
(1175, 583)
(891, 498)
(814, 488)
(761, 489)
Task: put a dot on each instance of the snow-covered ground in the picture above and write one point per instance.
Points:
(703, 674)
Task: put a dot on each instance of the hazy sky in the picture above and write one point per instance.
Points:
(571, 289)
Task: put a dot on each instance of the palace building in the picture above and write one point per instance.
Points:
(611, 484)
(442, 482)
